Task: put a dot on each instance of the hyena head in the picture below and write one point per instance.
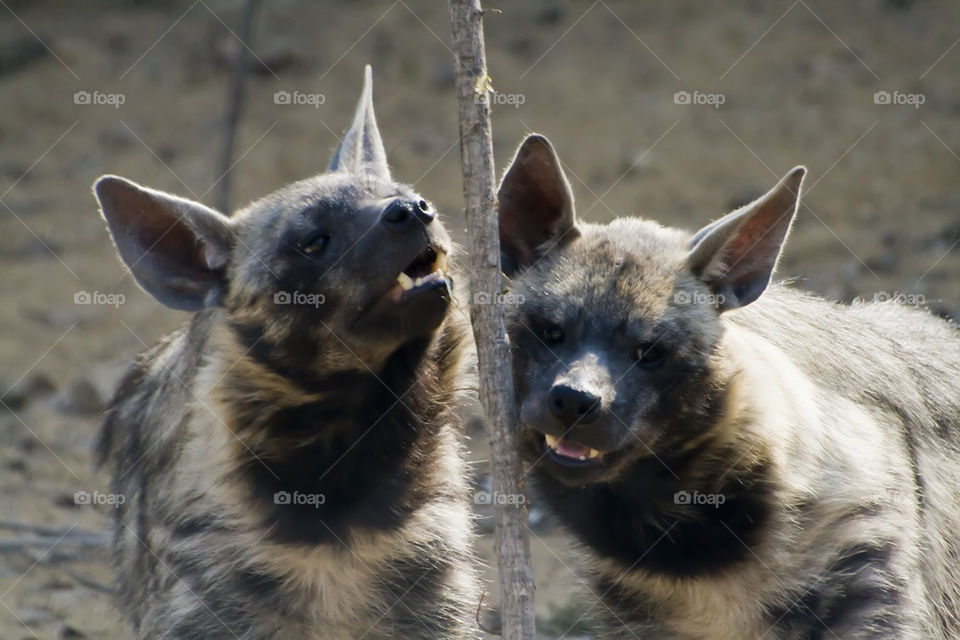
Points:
(616, 328)
(333, 272)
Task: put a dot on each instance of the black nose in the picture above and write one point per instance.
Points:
(573, 406)
(400, 214)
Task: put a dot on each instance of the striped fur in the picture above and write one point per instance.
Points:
(290, 460)
(823, 440)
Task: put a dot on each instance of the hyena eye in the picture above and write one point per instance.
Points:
(552, 334)
(316, 244)
(650, 356)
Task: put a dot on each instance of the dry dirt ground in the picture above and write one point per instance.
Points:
(797, 78)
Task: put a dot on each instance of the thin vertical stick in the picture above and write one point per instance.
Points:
(235, 100)
(496, 377)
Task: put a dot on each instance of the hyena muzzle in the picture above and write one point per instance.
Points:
(739, 460)
(289, 460)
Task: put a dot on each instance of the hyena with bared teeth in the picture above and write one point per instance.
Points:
(738, 459)
(290, 465)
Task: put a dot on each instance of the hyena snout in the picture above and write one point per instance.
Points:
(572, 405)
(571, 417)
(402, 215)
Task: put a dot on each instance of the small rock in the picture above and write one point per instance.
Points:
(550, 15)
(18, 394)
(19, 53)
(83, 398)
(32, 616)
(887, 263)
(67, 632)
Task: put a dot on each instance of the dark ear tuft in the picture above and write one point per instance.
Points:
(361, 150)
(736, 255)
(176, 249)
(536, 205)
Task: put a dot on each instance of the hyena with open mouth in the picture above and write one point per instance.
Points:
(290, 465)
(739, 460)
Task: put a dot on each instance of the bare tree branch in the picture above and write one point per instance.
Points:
(496, 378)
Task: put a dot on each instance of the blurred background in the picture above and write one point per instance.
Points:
(671, 110)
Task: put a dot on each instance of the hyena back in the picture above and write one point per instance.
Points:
(290, 466)
(736, 465)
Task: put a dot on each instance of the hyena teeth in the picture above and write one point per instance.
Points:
(551, 441)
(405, 281)
(593, 454)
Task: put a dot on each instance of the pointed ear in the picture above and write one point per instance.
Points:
(736, 254)
(176, 249)
(361, 150)
(536, 205)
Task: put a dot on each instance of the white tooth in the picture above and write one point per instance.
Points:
(593, 454)
(418, 282)
(405, 282)
(551, 441)
(582, 458)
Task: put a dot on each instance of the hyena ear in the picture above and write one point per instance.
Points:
(361, 150)
(736, 254)
(536, 205)
(176, 249)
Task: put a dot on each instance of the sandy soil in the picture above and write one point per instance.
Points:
(797, 80)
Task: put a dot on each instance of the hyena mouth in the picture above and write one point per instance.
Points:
(426, 272)
(571, 454)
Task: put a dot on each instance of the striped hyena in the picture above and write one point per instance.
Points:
(738, 459)
(290, 465)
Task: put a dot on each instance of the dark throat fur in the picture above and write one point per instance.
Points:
(363, 453)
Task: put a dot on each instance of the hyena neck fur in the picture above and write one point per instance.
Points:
(365, 440)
